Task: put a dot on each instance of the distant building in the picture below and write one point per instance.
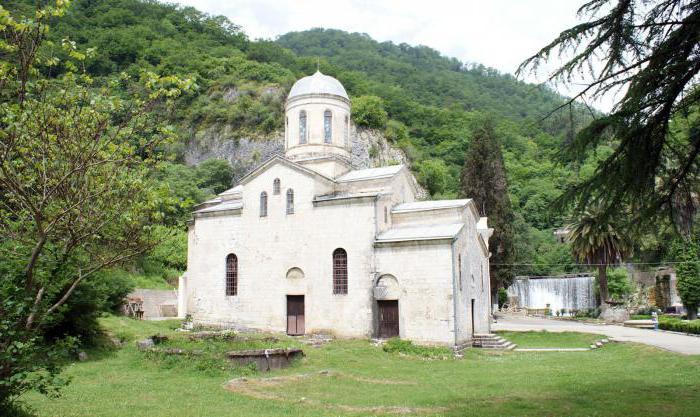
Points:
(562, 234)
(307, 243)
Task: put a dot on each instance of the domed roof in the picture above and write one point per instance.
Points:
(318, 84)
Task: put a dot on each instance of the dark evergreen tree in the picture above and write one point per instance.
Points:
(484, 181)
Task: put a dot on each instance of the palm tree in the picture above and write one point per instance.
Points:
(598, 239)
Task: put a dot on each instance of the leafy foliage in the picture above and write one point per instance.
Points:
(688, 274)
(368, 111)
(649, 48)
(484, 180)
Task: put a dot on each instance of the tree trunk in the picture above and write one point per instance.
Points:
(603, 286)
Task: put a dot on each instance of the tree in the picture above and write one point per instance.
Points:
(687, 254)
(368, 111)
(432, 174)
(484, 181)
(599, 241)
(215, 175)
(74, 191)
(649, 48)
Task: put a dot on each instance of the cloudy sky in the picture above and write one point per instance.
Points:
(496, 33)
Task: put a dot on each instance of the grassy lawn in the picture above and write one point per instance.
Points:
(546, 339)
(361, 380)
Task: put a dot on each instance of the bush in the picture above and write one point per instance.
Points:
(396, 345)
(678, 325)
(368, 111)
(396, 131)
(502, 296)
(433, 175)
(102, 293)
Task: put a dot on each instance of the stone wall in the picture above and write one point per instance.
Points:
(157, 303)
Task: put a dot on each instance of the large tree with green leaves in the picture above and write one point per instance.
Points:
(687, 256)
(599, 241)
(649, 50)
(75, 195)
(484, 181)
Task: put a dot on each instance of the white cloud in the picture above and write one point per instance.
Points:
(496, 33)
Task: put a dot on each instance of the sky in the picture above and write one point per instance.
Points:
(496, 33)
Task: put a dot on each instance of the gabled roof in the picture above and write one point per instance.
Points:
(429, 205)
(225, 206)
(278, 159)
(370, 173)
(432, 232)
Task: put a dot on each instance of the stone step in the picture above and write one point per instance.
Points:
(491, 341)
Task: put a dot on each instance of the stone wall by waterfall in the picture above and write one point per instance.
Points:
(575, 292)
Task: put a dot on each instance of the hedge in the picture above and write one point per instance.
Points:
(678, 325)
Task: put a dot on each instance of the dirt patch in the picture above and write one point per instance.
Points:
(259, 388)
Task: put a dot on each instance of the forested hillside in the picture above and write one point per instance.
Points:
(432, 103)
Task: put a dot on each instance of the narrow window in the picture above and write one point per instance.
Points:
(459, 262)
(386, 215)
(263, 204)
(302, 127)
(347, 131)
(276, 186)
(231, 275)
(327, 126)
(340, 271)
(290, 201)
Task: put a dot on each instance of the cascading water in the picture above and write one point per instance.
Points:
(559, 292)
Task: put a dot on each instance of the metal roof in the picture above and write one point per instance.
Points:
(318, 84)
(370, 173)
(225, 206)
(433, 232)
(430, 205)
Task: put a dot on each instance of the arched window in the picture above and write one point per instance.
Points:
(263, 204)
(290, 201)
(340, 271)
(231, 275)
(302, 127)
(327, 126)
(276, 186)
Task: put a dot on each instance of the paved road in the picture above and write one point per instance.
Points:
(687, 345)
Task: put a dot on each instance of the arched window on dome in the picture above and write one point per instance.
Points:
(327, 126)
(290, 201)
(231, 275)
(263, 204)
(276, 186)
(302, 127)
(340, 271)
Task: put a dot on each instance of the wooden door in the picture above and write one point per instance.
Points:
(295, 315)
(388, 318)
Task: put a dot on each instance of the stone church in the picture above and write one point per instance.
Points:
(306, 243)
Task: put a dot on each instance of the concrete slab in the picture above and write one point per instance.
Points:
(679, 343)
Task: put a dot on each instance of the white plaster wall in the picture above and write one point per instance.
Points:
(268, 247)
(424, 274)
(315, 106)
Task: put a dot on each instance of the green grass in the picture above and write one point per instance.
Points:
(621, 379)
(544, 339)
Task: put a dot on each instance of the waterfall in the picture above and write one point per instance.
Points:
(559, 292)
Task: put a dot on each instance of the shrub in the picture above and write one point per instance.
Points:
(502, 296)
(396, 131)
(678, 325)
(396, 345)
(368, 111)
(433, 175)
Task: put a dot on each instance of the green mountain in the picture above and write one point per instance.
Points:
(432, 101)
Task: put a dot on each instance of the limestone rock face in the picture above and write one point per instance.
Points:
(370, 149)
(615, 315)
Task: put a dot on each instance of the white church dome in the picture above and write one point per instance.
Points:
(318, 84)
